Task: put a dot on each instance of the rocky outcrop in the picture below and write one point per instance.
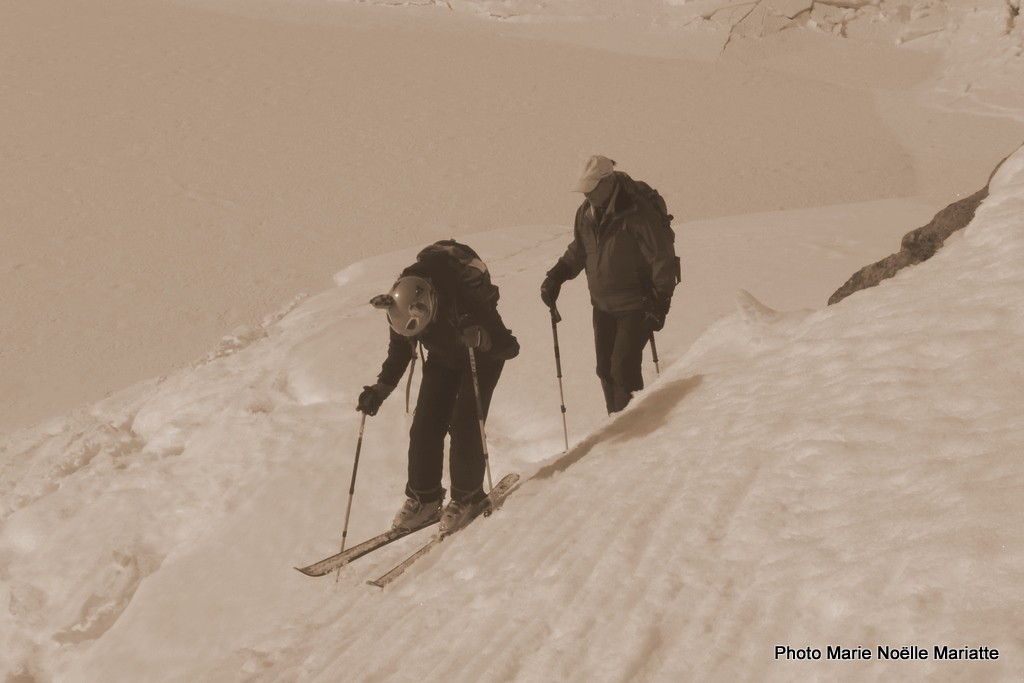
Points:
(917, 245)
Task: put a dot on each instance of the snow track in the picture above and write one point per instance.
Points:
(802, 479)
(843, 476)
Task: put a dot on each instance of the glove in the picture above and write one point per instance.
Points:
(372, 397)
(654, 318)
(549, 291)
(475, 337)
(552, 284)
(507, 350)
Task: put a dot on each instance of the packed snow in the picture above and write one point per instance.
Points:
(806, 477)
(795, 478)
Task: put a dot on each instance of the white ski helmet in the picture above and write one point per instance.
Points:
(410, 305)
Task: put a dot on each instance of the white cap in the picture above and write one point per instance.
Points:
(596, 168)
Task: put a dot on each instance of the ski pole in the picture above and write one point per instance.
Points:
(351, 486)
(408, 383)
(480, 414)
(555, 319)
(654, 355)
(412, 371)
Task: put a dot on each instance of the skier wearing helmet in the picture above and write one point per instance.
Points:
(446, 302)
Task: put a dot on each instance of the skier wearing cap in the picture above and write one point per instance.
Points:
(620, 239)
(434, 302)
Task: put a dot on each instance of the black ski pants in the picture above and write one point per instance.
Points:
(446, 405)
(619, 340)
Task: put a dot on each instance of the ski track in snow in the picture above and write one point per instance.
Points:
(848, 475)
(684, 538)
(579, 589)
(845, 475)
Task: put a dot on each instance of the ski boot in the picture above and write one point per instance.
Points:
(457, 514)
(415, 515)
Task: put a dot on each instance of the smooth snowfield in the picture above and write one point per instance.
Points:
(841, 476)
(179, 172)
(177, 168)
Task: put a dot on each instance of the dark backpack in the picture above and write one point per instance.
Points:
(469, 271)
(639, 188)
(646, 193)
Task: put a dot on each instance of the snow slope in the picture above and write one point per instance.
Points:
(176, 168)
(804, 477)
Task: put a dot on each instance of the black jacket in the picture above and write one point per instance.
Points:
(626, 254)
(457, 309)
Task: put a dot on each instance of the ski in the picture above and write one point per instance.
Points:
(335, 562)
(493, 501)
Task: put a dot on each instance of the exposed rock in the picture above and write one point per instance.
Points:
(917, 245)
(869, 276)
(921, 244)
